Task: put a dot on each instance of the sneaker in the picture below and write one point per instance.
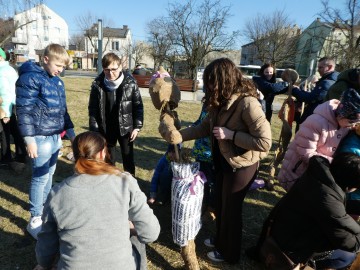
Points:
(34, 226)
(215, 256)
(258, 183)
(210, 242)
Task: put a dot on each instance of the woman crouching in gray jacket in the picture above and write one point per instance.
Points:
(87, 217)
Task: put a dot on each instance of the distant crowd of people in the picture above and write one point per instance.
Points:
(99, 218)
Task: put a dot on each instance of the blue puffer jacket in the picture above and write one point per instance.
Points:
(40, 102)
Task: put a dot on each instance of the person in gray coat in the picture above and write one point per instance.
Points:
(98, 218)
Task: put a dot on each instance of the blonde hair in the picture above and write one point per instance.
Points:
(57, 52)
(86, 146)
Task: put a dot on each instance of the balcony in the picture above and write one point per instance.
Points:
(21, 51)
(17, 40)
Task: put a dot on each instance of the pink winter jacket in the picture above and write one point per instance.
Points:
(318, 135)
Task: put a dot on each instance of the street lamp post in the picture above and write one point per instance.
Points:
(100, 49)
(130, 54)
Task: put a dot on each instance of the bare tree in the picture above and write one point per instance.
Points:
(346, 20)
(78, 40)
(88, 24)
(138, 51)
(199, 30)
(274, 37)
(195, 29)
(160, 40)
(7, 9)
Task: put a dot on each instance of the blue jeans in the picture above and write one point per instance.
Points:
(338, 259)
(43, 168)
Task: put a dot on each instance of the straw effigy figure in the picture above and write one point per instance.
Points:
(165, 95)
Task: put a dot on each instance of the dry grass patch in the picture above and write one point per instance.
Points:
(17, 247)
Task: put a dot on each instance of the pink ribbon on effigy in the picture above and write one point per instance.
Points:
(199, 176)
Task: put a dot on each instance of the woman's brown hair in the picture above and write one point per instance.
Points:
(262, 70)
(110, 58)
(86, 146)
(222, 79)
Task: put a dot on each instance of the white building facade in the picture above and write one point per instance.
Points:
(41, 26)
(116, 40)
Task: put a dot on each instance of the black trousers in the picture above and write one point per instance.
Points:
(127, 150)
(231, 189)
(210, 186)
(11, 129)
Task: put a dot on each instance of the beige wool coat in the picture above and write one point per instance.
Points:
(244, 116)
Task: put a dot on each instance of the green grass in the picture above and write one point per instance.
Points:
(17, 247)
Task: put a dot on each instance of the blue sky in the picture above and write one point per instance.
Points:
(137, 13)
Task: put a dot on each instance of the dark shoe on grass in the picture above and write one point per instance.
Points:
(253, 253)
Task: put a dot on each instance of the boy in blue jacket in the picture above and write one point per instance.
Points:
(42, 116)
(160, 186)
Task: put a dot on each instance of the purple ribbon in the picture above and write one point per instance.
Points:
(199, 176)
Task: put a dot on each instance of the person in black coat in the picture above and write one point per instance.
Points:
(139, 71)
(116, 109)
(267, 85)
(311, 221)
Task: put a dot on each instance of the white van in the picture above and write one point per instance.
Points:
(249, 70)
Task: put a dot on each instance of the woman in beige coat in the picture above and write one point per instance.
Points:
(240, 136)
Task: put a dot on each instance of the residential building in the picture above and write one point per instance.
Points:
(116, 40)
(249, 55)
(233, 55)
(278, 47)
(321, 39)
(39, 26)
(180, 65)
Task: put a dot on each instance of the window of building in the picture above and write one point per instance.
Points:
(115, 45)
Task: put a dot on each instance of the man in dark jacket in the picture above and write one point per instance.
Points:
(311, 218)
(116, 109)
(326, 69)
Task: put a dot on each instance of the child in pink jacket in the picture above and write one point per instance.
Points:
(320, 134)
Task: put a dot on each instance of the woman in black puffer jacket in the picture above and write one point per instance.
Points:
(116, 109)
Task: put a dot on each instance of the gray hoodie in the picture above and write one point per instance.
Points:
(86, 220)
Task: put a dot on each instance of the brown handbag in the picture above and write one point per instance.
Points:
(272, 255)
(274, 258)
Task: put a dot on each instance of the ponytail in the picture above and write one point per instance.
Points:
(86, 147)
